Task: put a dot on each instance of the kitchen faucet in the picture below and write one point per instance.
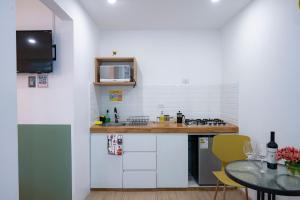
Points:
(117, 117)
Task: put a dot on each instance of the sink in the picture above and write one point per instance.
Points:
(115, 124)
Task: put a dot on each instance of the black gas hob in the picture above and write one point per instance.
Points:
(205, 122)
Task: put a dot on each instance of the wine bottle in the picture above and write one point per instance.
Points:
(271, 152)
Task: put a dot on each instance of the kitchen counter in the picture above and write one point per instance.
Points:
(166, 127)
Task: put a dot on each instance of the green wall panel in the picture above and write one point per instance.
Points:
(45, 162)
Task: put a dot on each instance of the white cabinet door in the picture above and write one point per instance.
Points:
(172, 161)
(106, 170)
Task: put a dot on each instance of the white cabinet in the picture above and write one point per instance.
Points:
(148, 161)
(139, 161)
(106, 170)
(172, 161)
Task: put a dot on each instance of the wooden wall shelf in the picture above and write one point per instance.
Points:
(115, 83)
(111, 60)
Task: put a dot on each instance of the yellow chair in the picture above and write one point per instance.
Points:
(228, 148)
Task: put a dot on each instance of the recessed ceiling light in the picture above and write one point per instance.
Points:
(111, 1)
(215, 1)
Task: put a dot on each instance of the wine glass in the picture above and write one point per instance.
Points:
(249, 149)
(261, 155)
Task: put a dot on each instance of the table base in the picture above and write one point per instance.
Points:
(261, 196)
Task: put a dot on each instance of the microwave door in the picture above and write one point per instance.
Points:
(118, 72)
(107, 73)
(122, 73)
(115, 73)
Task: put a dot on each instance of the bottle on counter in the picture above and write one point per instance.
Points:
(271, 152)
(107, 118)
(162, 117)
(102, 119)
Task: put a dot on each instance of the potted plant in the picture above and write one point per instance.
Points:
(291, 156)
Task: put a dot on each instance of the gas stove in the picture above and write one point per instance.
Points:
(204, 122)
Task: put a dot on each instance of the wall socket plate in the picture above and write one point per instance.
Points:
(32, 81)
(160, 106)
(185, 81)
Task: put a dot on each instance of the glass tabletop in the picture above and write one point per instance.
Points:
(248, 173)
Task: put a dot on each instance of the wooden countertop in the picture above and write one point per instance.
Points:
(165, 127)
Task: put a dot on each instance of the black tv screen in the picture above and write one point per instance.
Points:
(34, 51)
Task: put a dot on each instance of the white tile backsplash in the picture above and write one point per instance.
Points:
(206, 101)
(230, 103)
(94, 103)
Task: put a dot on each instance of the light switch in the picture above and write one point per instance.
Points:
(185, 81)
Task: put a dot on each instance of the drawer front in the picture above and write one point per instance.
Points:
(139, 142)
(139, 161)
(139, 179)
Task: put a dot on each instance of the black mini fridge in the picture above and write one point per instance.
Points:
(202, 161)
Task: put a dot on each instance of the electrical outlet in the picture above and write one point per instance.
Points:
(160, 106)
(185, 81)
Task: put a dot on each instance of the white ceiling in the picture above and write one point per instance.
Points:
(162, 14)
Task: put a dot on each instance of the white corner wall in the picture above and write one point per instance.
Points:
(51, 105)
(261, 53)
(9, 187)
(85, 41)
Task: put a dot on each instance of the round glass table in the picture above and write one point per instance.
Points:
(273, 182)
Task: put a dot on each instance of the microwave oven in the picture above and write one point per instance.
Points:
(115, 73)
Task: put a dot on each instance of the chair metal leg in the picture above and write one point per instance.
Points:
(258, 195)
(269, 196)
(246, 190)
(224, 192)
(216, 192)
(273, 197)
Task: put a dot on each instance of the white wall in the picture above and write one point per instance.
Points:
(165, 60)
(85, 49)
(9, 188)
(168, 57)
(261, 53)
(51, 105)
(67, 98)
(33, 15)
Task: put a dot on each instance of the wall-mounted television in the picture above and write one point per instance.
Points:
(35, 51)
